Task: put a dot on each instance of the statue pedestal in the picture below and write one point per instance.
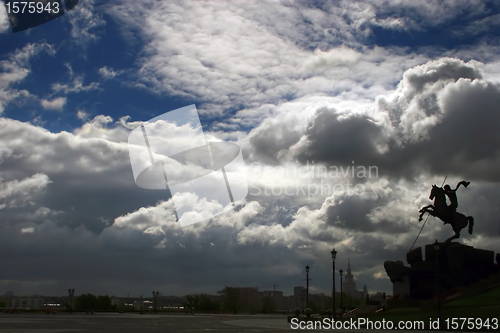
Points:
(453, 265)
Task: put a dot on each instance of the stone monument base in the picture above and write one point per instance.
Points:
(453, 265)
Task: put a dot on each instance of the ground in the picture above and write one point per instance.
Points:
(125, 323)
(128, 323)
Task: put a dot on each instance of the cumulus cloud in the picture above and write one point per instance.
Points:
(479, 26)
(446, 101)
(415, 107)
(15, 193)
(55, 104)
(28, 230)
(15, 69)
(4, 20)
(300, 49)
(75, 86)
(104, 127)
(85, 19)
(226, 64)
(299, 83)
(91, 185)
(76, 167)
(344, 138)
(108, 73)
(397, 136)
(407, 15)
(82, 115)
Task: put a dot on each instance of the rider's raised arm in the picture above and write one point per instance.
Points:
(463, 182)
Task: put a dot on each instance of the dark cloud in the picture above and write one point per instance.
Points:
(467, 140)
(76, 192)
(353, 214)
(340, 141)
(81, 181)
(270, 139)
(72, 215)
(444, 121)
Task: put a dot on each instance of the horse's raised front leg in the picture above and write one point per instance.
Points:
(426, 208)
(455, 236)
(423, 211)
(420, 216)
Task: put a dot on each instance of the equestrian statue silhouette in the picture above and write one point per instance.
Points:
(448, 213)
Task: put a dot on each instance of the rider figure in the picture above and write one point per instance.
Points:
(451, 194)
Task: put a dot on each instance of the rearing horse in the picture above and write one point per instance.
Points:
(440, 210)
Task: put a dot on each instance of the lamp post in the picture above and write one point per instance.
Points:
(438, 289)
(334, 255)
(341, 272)
(71, 293)
(155, 298)
(307, 287)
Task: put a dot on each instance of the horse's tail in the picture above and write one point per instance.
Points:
(471, 223)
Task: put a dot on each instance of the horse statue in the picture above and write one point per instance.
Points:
(446, 214)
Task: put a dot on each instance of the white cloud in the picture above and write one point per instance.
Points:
(18, 193)
(302, 80)
(75, 165)
(84, 20)
(4, 20)
(76, 86)
(243, 59)
(148, 219)
(82, 115)
(240, 60)
(415, 99)
(27, 230)
(108, 73)
(16, 69)
(103, 127)
(55, 104)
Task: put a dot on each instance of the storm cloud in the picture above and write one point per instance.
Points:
(309, 92)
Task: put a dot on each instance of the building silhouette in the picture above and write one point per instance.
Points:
(27, 303)
(349, 285)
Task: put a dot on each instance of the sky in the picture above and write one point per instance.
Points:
(346, 113)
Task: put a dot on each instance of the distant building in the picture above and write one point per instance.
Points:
(298, 300)
(349, 285)
(215, 298)
(299, 291)
(271, 293)
(250, 297)
(115, 301)
(27, 303)
(321, 301)
(279, 301)
(379, 296)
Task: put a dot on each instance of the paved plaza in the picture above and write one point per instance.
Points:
(115, 322)
(132, 323)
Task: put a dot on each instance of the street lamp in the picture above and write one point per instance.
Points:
(341, 272)
(307, 287)
(334, 255)
(438, 289)
(71, 293)
(155, 298)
